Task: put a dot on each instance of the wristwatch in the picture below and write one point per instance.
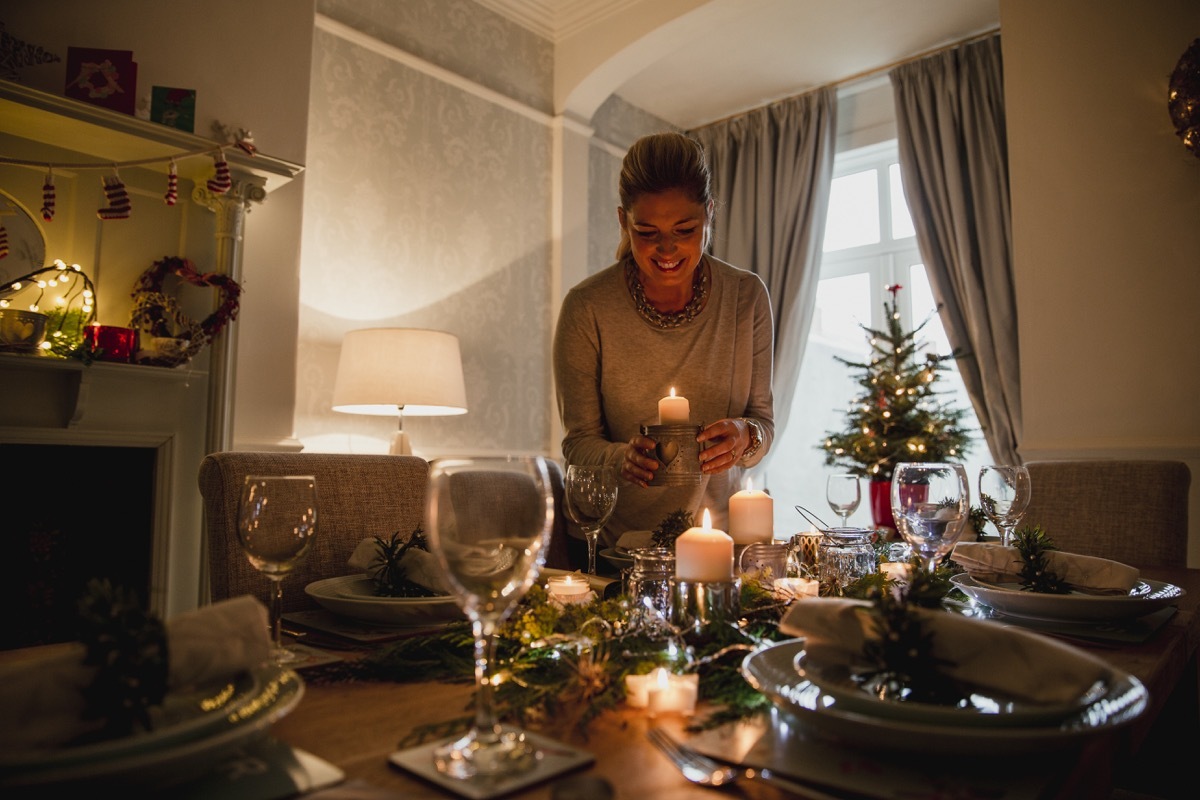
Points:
(756, 438)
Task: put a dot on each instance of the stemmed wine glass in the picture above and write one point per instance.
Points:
(488, 521)
(843, 493)
(1004, 494)
(277, 520)
(591, 497)
(931, 502)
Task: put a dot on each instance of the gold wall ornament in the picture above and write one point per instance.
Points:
(1183, 98)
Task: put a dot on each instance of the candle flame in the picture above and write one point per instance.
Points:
(707, 520)
(672, 391)
(662, 678)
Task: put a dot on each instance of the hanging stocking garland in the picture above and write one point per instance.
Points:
(221, 182)
(172, 195)
(48, 196)
(118, 199)
(3, 242)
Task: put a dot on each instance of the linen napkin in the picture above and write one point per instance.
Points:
(41, 700)
(1015, 663)
(631, 540)
(995, 563)
(420, 566)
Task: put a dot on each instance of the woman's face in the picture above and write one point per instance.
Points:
(667, 233)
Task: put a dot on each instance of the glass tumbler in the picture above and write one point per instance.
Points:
(843, 556)
(764, 562)
(648, 584)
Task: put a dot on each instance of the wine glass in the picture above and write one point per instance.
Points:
(931, 502)
(843, 493)
(1004, 494)
(488, 521)
(591, 497)
(277, 520)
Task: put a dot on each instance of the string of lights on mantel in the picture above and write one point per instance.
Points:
(117, 203)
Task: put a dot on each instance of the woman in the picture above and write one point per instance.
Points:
(666, 315)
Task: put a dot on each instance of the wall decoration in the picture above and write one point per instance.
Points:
(175, 108)
(167, 336)
(1183, 98)
(105, 78)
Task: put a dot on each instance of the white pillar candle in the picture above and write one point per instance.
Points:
(797, 587)
(674, 410)
(637, 688)
(670, 693)
(704, 554)
(751, 516)
(569, 588)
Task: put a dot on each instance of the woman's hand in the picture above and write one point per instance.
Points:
(727, 441)
(639, 466)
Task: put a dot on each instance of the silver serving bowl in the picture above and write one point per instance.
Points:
(21, 331)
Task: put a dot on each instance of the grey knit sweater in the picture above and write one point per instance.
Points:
(611, 367)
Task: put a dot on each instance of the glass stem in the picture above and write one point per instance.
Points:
(592, 536)
(276, 613)
(486, 726)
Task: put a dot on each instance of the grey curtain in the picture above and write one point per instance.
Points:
(954, 162)
(772, 169)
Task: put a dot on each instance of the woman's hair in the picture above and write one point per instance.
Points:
(659, 162)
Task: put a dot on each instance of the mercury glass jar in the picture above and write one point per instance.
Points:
(648, 584)
(843, 556)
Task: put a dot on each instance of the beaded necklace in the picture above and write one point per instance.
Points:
(667, 319)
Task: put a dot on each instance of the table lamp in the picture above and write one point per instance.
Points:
(396, 371)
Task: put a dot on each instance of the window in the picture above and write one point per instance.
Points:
(870, 244)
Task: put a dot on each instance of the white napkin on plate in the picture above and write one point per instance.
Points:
(420, 566)
(631, 540)
(995, 563)
(41, 702)
(1016, 663)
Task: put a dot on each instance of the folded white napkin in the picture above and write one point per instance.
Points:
(420, 566)
(631, 540)
(1018, 664)
(995, 563)
(41, 701)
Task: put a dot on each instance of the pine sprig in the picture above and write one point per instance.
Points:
(1036, 576)
(671, 527)
(391, 576)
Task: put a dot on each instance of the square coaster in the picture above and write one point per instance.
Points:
(557, 758)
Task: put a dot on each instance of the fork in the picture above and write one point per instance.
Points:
(704, 771)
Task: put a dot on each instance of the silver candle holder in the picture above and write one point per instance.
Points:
(701, 604)
(677, 451)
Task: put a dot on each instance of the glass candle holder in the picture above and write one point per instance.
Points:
(648, 585)
(844, 556)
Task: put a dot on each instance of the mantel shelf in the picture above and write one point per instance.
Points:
(110, 136)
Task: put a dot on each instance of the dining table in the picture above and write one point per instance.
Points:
(356, 725)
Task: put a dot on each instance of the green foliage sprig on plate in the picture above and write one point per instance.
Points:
(560, 665)
(671, 527)
(1036, 576)
(391, 575)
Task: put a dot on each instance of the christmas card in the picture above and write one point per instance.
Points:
(175, 108)
(105, 78)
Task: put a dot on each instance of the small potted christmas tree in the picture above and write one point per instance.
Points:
(897, 415)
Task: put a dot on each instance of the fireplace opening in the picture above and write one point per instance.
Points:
(71, 513)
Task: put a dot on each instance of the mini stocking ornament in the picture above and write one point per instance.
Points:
(3, 242)
(172, 195)
(221, 182)
(48, 196)
(118, 199)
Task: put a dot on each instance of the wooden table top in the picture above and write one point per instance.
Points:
(357, 725)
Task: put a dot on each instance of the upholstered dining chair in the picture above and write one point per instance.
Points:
(359, 496)
(1135, 512)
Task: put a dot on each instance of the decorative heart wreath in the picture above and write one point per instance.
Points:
(158, 315)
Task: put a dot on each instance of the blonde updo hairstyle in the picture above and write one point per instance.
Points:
(663, 161)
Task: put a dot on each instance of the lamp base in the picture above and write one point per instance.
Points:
(401, 446)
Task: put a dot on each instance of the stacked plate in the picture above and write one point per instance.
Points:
(1145, 597)
(192, 731)
(354, 596)
(833, 702)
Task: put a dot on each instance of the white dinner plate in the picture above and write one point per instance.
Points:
(772, 672)
(192, 730)
(354, 596)
(1145, 598)
(983, 707)
(610, 555)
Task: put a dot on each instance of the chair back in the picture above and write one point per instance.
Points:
(358, 496)
(1135, 512)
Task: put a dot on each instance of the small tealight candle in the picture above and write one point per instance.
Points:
(751, 516)
(797, 587)
(668, 693)
(703, 554)
(674, 410)
(569, 588)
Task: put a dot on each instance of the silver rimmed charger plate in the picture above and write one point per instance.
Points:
(354, 596)
(193, 730)
(1145, 598)
(771, 671)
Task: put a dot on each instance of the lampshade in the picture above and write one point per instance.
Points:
(397, 372)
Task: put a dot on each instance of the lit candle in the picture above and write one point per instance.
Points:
(704, 554)
(569, 589)
(797, 587)
(637, 689)
(667, 692)
(751, 516)
(674, 410)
